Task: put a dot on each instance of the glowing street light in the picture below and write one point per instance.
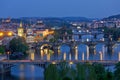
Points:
(1, 34)
(8, 53)
(9, 33)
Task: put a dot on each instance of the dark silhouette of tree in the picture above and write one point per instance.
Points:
(117, 71)
(2, 50)
(99, 71)
(18, 45)
(51, 73)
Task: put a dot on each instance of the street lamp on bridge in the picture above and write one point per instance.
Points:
(8, 54)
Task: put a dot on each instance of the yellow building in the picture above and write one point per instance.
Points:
(21, 30)
(41, 34)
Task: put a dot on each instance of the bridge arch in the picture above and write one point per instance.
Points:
(64, 45)
(45, 48)
(41, 46)
(100, 47)
(116, 47)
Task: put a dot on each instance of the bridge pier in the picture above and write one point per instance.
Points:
(91, 48)
(41, 52)
(56, 53)
(72, 49)
(55, 49)
(110, 47)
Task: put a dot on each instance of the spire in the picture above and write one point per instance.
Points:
(21, 24)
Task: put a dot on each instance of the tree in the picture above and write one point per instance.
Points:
(99, 71)
(109, 75)
(63, 69)
(18, 48)
(85, 71)
(2, 50)
(18, 45)
(66, 78)
(117, 71)
(51, 73)
(80, 72)
(91, 72)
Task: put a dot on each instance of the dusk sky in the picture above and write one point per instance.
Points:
(59, 8)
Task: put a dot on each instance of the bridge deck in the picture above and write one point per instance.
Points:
(58, 61)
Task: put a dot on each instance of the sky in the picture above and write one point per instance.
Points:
(59, 8)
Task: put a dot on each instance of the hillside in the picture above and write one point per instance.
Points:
(114, 17)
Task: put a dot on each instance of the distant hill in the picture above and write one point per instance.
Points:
(76, 19)
(73, 19)
(114, 17)
(52, 21)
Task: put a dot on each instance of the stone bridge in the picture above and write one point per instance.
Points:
(91, 45)
(5, 65)
(70, 36)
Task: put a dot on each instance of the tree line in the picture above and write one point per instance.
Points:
(83, 71)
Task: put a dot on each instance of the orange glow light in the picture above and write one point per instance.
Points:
(1, 34)
(9, 33)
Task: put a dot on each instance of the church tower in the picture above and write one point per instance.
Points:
(21, 30)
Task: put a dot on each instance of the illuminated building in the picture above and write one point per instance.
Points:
(38, 33)
(41, 34)
(29, 36)
(21, 30)
(5, 37)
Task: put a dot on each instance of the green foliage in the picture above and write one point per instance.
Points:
(52, 40)
(117, 71)
(91, 72)
(83, 71)
(2, 50)
(109, 75)
(115, 32)
(80, 72)
(99, 71)
(63, 69)
(58, 34)
(18, 45)
(66, 78)
(51, 73)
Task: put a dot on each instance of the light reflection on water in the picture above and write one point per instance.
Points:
(24, 72)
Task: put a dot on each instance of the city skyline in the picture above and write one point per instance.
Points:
(45, 8)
